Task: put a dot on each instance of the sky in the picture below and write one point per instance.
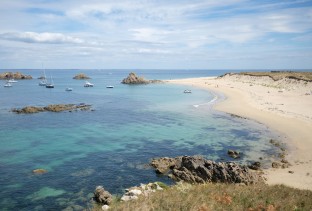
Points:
(156, 34)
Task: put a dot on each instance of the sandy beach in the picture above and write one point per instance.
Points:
(285, 106)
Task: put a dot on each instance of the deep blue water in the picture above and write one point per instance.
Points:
(111, 145)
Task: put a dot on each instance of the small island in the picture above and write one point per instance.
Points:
(11, 75)
(81, 76)
(134, 79)
(52, 108)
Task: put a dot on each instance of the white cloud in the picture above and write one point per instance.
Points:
(33, 37)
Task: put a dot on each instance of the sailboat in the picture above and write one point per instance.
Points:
(43, 81)
(51, 84)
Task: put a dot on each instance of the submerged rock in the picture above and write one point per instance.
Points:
(81, 76)
(51, 108)
(39, 171)
(233, 154)
(102, 196)
(199, 170)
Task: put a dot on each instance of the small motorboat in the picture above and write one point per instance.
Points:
(68, 89)
(7, 84)
(88, 84)
(187, 91)
(109, 87)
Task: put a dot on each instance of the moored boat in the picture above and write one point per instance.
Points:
(12, 81)
(7, 84)
(88, 84)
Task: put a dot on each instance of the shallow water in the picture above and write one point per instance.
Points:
(111, 145)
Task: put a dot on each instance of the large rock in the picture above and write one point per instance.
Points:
(102, 196)
(134, 79)
(17, 75)
(81, 76)
(199, 170)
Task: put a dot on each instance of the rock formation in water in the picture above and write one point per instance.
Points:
(81, 76)
(199, 170)
(134, 79)
(17, 75)
(102, 196)
(52, 108)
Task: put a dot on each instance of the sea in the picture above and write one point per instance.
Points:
(111, 144)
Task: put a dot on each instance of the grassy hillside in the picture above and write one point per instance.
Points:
(208, 197)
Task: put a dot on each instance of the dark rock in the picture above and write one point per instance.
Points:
(102, 196)
(199, 170)
(276, 165)
(291, 172)
(17, 75)
(233, 154)
(81, 76)
(255, 166)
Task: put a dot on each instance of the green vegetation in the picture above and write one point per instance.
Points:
(206, 197)
(278, 75)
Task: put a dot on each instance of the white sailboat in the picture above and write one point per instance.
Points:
(7, 84)
(51, 84)
(43, 81)
(12, 81)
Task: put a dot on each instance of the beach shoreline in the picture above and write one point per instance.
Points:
(284, 106)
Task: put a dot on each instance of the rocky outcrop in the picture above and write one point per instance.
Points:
(134, 79)
(51, 108)
(164, 164)
(81, 76)
(199, 170)
(17, 75)
(102, 196)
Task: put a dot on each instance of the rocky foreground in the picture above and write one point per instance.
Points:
(17, 75)
(134, 79)
(52, 108)
(194, 169)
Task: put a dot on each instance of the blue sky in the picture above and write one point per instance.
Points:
(156, 34)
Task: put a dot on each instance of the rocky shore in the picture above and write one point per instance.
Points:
(17, 75)
(134, 79)
(195, 169)
(52, 108)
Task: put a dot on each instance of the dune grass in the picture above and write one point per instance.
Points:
(278, 75)
(206, 197)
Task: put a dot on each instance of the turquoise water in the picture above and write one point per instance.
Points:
(111, 145)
